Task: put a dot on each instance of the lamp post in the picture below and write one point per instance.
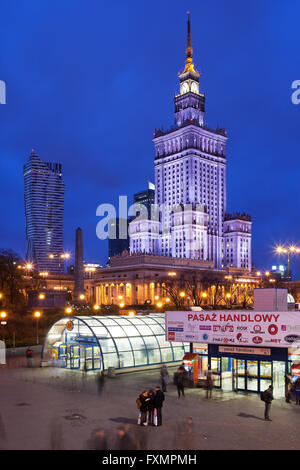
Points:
(37, 315)
(60, 256)
(290, 250)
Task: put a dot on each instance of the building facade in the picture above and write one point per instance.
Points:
(190, 186)
(44, 211)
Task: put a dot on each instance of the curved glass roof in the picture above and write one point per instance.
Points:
(118, 341)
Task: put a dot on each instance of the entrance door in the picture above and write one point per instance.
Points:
(215, 365)
(240, 375)
(278, 379)
(92, 358)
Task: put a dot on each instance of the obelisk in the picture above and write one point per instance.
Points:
(78, 272)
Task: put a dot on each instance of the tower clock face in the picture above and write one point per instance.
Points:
(194, 87)
(185, 88)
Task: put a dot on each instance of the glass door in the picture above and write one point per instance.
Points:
(278, 379)
(240, 374)
(252, 376)
(215, 365)
(265, 375)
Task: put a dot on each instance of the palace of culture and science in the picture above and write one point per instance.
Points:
(190, 188)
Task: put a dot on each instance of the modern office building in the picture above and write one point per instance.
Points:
(118, 239)
(44, 211)
(190, 187)
(146, 198)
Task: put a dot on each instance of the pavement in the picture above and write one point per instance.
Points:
(58, 409)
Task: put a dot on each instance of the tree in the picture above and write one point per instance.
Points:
(11, 280)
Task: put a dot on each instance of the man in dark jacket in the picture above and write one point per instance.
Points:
(268, 398)
(179, 381)
(158, 403)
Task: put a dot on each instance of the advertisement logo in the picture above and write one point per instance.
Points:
(274, 340)
(241, 339)
(204, 327)
(223, 328)
(242, 328)
(69, 325)
(257, 328)
(291, 338)
(257, 340)
(273, 329)
(205, 337)
(171, 335)
(283, 327)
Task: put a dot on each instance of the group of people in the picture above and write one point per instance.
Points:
(292, 388)
(150, 405)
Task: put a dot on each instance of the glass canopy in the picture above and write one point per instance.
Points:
(114, 341)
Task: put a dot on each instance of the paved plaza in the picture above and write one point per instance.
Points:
(50, 408)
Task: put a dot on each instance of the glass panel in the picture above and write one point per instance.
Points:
(137, 343)
(216, 370)
(166, 354)
(144, 330)
(178, 353)
(123, 344)
(140, 357)
(157, 329)
(151, 342)
(265, 370)
(226, 373)
(278, 379)
(241, 370)
(116, 331)
(162, 342)
(126, 359)
(122, 321)
(107, 321)
(111, 360)
(107, 345)
(100, 331)
(136, 321)
(264, 384)
(154, 356)
(131, 331)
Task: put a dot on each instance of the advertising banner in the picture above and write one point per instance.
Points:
(239, 328)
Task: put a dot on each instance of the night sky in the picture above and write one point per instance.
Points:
(88, 82)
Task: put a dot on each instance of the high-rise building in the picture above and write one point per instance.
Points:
(118, 239)
(44, 211)
(190, 185)
(146, 198)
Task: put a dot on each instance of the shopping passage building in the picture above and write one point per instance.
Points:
(102, 342)
(245, 350)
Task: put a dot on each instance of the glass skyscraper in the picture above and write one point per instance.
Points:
(44, 211)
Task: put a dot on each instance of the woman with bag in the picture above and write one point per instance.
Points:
(142, 403)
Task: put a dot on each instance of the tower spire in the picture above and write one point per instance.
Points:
(189, 49)
(189, 66)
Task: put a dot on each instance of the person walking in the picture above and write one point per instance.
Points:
(288, 388)
(179, 381)
(209, 384)
(100, 382)
(297, 390)
(164, 374)
(29, 356)
(267, 397)
(158, 404)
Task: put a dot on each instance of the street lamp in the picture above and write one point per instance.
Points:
(68, 310)
(41, 296)
(292, 249)
(60, 256)
(96, 307)
(37, 315)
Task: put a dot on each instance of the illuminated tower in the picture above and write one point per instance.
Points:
(44, 211)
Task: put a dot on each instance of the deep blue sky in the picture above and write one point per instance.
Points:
(88, 81)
